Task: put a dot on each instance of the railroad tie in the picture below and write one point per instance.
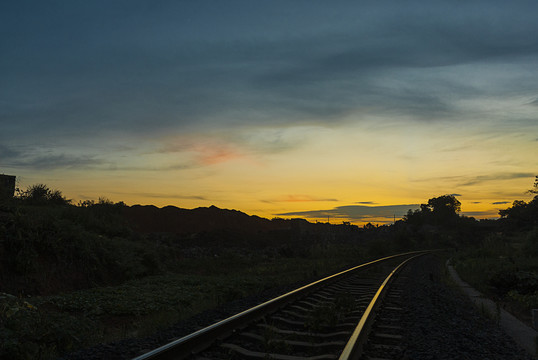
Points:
(262, 355)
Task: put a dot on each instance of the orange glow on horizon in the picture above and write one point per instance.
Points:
(331, 168)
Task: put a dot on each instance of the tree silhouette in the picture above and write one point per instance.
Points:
(522, 215)
(439, 210)
(40, 194)
(446, 206)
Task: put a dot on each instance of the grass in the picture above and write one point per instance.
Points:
(92, 279)
(141, 306)
(81, 276)
(505, 270)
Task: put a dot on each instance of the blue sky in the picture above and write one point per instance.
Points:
(272, 107)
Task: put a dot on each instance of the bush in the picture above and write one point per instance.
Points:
(530, 247)
(530, 301)
(502, 281)
(40, 194)
(29, 333)
(47, 248)
(505, 280)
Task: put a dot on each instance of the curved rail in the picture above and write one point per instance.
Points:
(201, 339)
(353, 348)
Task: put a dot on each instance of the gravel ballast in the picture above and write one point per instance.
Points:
(440, 322)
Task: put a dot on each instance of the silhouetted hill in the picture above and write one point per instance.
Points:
(171, 219)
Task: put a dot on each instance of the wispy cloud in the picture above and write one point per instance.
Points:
(500, 202)
(171, 196)
(459, 180)
(299, 198)
(215, 155)
(118, 167)
(489, 214)
(366, 202)
(495, 177)
(207, 151)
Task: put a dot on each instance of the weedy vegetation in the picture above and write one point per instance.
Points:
(72, 276)
(503, 264)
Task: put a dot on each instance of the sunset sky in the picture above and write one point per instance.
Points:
(353, 110)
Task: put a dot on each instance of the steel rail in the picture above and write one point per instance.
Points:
(354, 347)
(203, 338)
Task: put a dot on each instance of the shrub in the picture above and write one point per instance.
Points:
(502, 281)
(530, 301)
(530, 247)
(41, 194)
(505, 280)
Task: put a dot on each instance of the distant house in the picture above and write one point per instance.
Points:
(7, 186)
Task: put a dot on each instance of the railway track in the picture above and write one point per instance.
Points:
(332, 318)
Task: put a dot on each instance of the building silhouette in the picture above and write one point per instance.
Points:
(7, 186)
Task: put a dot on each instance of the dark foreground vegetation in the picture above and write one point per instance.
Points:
(72, 276)
(503, 264)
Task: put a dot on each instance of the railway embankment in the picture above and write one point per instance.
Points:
(442, 323)
(521, 333)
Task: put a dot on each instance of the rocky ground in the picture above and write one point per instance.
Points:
(441, 323)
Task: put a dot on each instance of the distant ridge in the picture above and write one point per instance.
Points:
(171, 219)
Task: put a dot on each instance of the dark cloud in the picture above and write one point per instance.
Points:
(357, 212)
(52, 162)
(34, 160)
(366, 202)
(194, 65)
(7, 153)
(500, 202)
(62, 161)
(358, 64)
(455, 194)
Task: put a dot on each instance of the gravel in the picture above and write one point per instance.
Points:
(441, 323)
